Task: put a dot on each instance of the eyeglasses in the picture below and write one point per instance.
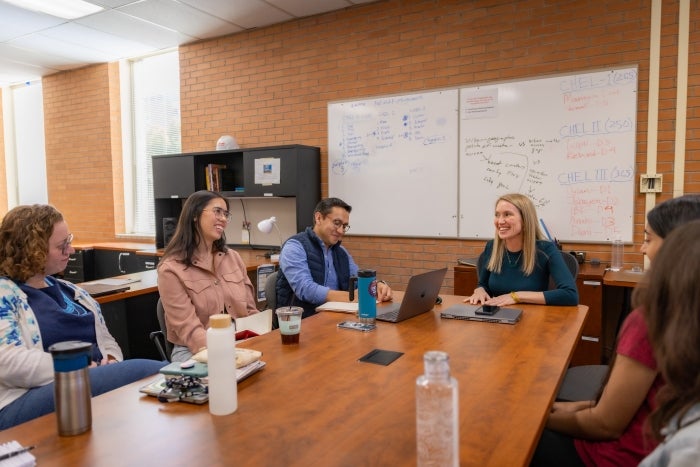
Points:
(220, 213)
(65, 246)
(339, 225)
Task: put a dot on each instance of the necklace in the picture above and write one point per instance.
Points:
(510, 259)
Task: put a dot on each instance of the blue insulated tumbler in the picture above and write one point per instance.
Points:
(367, 295)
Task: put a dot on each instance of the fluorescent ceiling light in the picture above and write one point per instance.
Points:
(67, 9)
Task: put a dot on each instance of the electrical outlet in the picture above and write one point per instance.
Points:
(650, 183)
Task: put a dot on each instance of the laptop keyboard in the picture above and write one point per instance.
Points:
(390, 316)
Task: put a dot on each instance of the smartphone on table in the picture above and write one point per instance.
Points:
(487, 310)
(357, 326)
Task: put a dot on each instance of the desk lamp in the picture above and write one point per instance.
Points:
(265, 226)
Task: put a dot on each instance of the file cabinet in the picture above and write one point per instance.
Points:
(81, 266)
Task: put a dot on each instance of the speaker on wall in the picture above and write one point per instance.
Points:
(169, 225)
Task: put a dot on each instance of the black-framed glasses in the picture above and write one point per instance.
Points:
(65, 246)
(339, 225)
(220, 213)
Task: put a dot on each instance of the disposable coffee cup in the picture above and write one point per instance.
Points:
(289, 318)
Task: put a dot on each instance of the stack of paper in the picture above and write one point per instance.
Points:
(13, 454)
(342, 307)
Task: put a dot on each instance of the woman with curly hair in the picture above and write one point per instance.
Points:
(38, 310)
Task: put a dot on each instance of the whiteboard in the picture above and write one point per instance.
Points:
(433, 164)
(567, 142)
(394, 160)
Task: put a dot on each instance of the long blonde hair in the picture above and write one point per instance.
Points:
(531, 233)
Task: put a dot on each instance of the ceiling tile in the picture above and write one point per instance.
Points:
(17, 22)
(180, 17)
(76, 41)
(244, 13)
(132, 29)
(34, 44)
(301, 8)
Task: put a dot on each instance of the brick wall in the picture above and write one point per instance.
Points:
(272, 86)
(81, 127)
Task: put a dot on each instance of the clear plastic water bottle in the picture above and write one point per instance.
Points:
(221, 363)
(437, 413)
(617, 256)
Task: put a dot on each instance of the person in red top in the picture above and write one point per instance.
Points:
(611, 431)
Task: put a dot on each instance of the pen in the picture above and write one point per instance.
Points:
(15, 453)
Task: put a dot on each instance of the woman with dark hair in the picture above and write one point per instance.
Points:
(609, 431)
(670, 296)
(199, 276)
(38, 310)
(519, 261)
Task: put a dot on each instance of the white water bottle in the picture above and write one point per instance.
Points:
(437, 413)
(616, 258)
(221, 362)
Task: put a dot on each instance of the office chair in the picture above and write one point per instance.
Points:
(160, 337)
(271, 296)
(581, 383)
(571, 263)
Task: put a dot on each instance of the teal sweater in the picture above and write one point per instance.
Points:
(511, 278)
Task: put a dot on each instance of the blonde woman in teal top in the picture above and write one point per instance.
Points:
(519, 262)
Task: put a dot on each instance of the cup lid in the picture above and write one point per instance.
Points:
(70, 347)
(289, 310)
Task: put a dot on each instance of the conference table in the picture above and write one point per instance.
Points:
(315, 404)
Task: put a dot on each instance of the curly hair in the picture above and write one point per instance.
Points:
(24, 240)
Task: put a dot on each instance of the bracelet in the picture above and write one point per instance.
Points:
(515, 297)
(383, 282)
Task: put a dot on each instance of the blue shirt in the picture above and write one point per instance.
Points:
(61, 318)
(295, 266)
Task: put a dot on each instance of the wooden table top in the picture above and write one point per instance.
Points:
(623, 278)
(315, 404)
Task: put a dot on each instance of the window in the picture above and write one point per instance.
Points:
(25, 155)
(153, 86)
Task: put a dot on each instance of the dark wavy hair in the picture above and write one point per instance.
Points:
(670, 296)
(326, 205)
(187, 235)
(666, 216)
(24, 240)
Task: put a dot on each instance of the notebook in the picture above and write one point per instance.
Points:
(421, 292)
(468, 312)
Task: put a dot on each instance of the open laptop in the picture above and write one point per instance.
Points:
(468, 312)
(421, 292)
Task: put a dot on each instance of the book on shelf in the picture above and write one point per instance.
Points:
(213, 176)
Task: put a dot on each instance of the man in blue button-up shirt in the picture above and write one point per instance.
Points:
(314, 267)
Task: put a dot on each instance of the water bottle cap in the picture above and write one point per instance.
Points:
(220, 321)
(367, 273)
(70, 355)
(68, 349)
